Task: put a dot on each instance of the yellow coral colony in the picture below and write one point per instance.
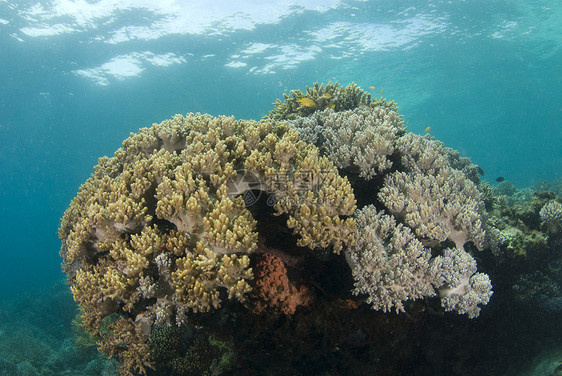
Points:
(161, 230)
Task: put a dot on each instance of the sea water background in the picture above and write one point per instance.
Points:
(77, 77)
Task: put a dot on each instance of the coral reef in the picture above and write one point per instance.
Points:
(388, 262)
(200, 219)
(523, 234)
(162, 229)
(183, 351)
(436, 200)
(38, 338)
(515, 226)
(541, 287)
(82, 338)
(461, 288)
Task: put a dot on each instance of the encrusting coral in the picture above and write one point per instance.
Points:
(161, 229)
(274, 289)
(168, 227)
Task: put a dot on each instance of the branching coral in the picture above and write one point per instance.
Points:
(421, 154)
(460, 287)
(437, 207)
(437, 201)
(429, 192)
(551, 215)
(359, 140)
(320, 97)
(390, 265)
(166, 228)
(161, 229)
(126, 340)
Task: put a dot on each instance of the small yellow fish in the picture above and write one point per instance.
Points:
(382, 91)
(331, 106)
(327, 96)
(372, 88)
(307, 102)
(426, 130)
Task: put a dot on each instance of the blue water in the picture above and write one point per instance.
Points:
(77, 77)
(486, 77)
